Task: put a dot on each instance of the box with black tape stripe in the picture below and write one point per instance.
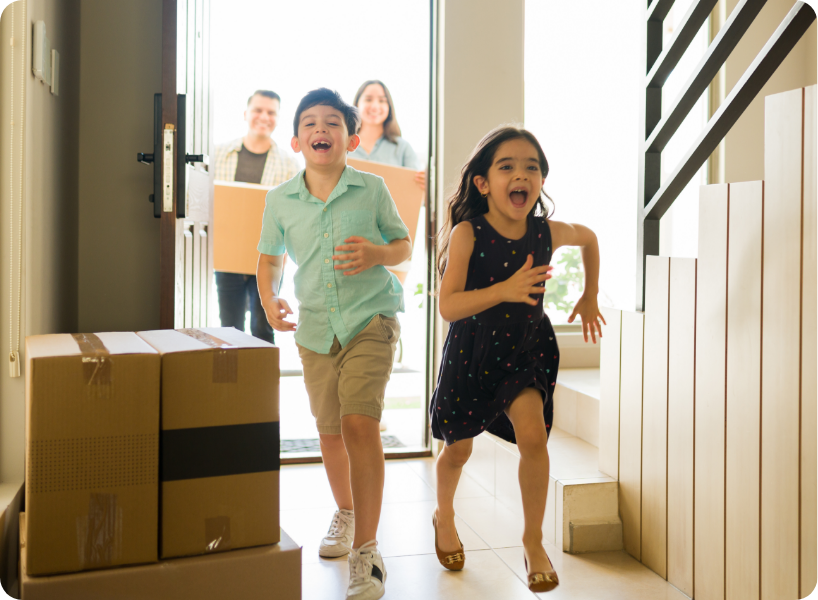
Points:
(219, 440)
(92, 451)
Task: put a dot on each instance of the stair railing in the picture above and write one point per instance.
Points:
(654, 199)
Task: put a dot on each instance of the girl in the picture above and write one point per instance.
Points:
(380, 134)
(500, 359)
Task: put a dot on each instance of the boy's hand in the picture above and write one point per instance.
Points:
(588, 310)
(277, 310)
(361, 254)
(526, 281)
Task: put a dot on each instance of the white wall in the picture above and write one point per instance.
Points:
(49, 299)
(744, 145)
(118, 235)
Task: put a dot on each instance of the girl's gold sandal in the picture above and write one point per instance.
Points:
(542, 582)
(453, 561)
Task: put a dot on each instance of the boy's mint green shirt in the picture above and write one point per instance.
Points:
(331, 303)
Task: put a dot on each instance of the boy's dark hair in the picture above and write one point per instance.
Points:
(467, 202)
(266, 93)
(391, 129)
(328, 97)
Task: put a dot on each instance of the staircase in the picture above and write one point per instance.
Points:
(708, 398)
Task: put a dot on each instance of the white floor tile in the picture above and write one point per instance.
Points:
(490, 530)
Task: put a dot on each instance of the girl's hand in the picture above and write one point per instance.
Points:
(528, 280)
(588, 310)
(277, 310)
(361, 254)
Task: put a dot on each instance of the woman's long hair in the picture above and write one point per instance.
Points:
(391, 129)
(467, 202)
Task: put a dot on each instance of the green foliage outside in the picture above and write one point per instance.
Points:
(419, 292)
(562, 290)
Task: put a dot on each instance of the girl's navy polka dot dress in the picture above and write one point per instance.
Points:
(488, 359)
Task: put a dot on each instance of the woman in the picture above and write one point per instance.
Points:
(380, 133)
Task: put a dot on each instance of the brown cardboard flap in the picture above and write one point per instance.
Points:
(169, 341)
(64, 344)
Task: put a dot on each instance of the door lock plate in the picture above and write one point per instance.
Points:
(167, 169)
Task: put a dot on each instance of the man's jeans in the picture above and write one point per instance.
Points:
(237, 294)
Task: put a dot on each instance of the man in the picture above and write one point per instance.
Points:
(255, 158)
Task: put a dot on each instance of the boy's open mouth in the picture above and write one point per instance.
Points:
(518, 197)
(321, 146)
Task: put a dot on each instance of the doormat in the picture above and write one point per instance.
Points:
(313, 445)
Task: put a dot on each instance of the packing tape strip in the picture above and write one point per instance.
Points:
(217, 534)
(100, 532)
(225, 359)
(96, 360)
(218, 451)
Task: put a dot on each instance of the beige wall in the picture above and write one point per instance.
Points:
(118, 236)
(91, 258)
(50, 196)
(744, 145)
(480, 86)
(480, 77)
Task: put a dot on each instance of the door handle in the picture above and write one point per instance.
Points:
(149, 159)
(197, 158)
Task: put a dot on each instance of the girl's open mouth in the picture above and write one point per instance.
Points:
(518, 198)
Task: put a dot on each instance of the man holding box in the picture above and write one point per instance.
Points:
(255, 158)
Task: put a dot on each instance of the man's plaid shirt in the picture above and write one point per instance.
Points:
(277, 169)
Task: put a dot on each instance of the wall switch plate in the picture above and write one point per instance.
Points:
(55, 72)
(41, 54)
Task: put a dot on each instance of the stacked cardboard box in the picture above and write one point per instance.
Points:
(92, 451)
(220, 440)
(264, 573)
(117, 477)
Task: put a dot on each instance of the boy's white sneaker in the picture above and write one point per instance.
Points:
(339, 537)
(367, 575)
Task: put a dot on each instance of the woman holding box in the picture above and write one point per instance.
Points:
(381, 140)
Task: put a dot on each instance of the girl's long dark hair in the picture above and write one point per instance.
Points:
(391, 129)
(467, 202)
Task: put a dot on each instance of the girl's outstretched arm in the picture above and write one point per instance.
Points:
(457, 303)
(571, 234)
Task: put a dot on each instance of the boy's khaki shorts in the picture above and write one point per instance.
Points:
(351, 380)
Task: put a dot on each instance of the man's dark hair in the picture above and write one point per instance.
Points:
(266, 93)
(327, 97)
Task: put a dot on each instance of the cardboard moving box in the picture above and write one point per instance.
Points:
(264, 573)
(237, 212)
(92, 451)
(238, 209)
(219, 440)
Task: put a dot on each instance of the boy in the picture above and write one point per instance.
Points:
(341, 227)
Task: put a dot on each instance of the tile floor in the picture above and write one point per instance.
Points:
(490, 533)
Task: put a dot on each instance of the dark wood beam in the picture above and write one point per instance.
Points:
(792, 28)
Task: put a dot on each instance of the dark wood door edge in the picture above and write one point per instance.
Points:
(167, 228)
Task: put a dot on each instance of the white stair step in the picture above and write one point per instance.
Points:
(582, 511)
(576, 403)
